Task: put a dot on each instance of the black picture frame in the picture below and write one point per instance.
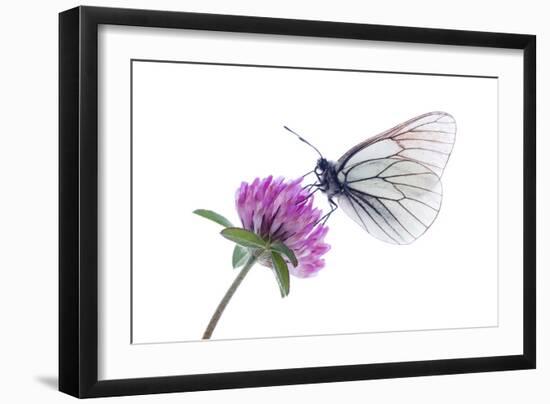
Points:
(78, 201)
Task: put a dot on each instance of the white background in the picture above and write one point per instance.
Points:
(29, 216)
(200, 130)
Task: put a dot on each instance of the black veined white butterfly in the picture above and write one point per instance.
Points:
(390, 184)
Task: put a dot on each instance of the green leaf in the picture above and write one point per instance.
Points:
(243, 237)
(240, 256)
(215, 217)
(281, 273)
(287, 252)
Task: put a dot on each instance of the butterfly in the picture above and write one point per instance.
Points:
(390, 184)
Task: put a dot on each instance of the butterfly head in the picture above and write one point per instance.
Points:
(322, 166)
(327, 179)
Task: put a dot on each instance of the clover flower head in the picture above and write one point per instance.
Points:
(279, 210)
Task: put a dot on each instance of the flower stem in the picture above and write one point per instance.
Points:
(227, 297)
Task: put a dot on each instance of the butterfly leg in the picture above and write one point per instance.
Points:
(310, 193)
(309, 187)
(313, 192)
(333, 207)
(308, 173)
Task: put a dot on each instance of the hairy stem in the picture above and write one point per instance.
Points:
(227, 297)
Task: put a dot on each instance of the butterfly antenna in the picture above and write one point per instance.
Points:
(304, 140)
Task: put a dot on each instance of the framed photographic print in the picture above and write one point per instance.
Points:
(251, 201)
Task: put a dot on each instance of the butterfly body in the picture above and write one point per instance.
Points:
(390, 184)
(327, 178)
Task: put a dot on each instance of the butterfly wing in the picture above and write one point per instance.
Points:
(391, 182)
